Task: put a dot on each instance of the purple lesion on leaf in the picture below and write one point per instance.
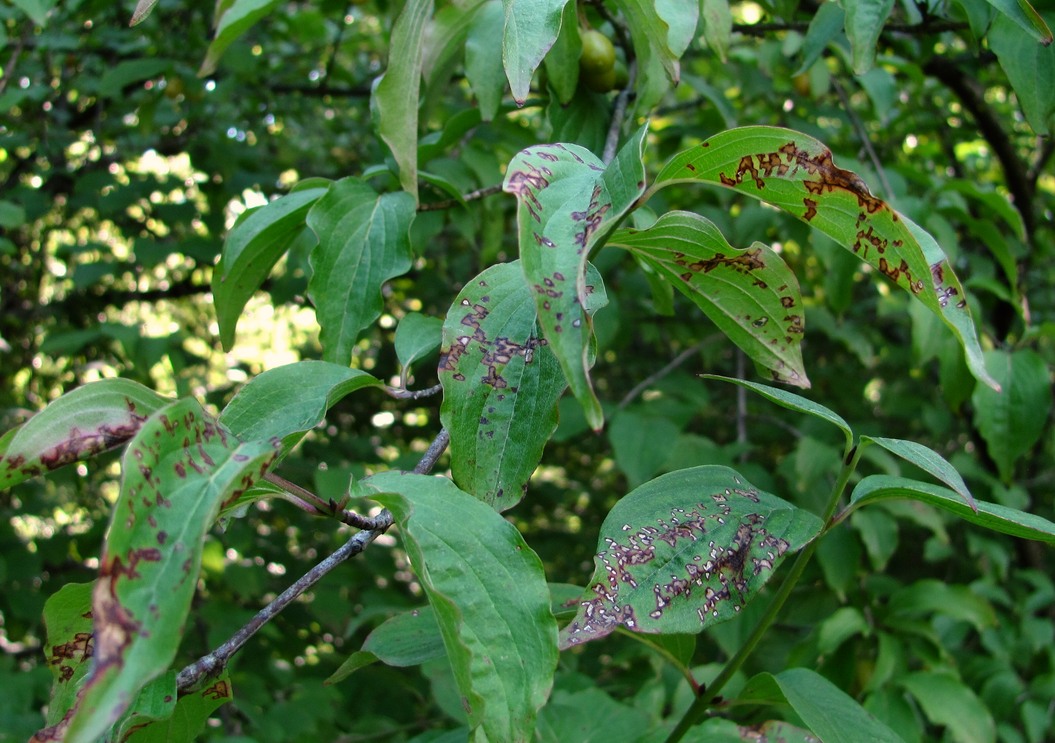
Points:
(750, 260)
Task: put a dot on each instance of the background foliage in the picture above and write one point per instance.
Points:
(128, 154)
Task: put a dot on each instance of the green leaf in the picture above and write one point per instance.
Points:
(640, 443)
(591, 716)
(651, 32)
(237, 18)
(143, 9)
(562, 61)
(12, 215)
(930, 596)
(797, 174)
(875, 488)
(76, 426)
(489, 593)
(927, 460)
(569, 203)
(417, 336)
(717, 537)
(176, 474)
(864, 22)
(948, 701)
(825, 25)
(70, 645)
(395, 96)
(1012, 421)
(37, 10)
(828, 712)
(363, 242)
(501, 384)
(718, 26)
(1031, 69)
(131, 71)
(251, 250)
(483, 58)
(1022, 14)
(282, 404)
(791, 401)
(751, 294)
(407, 639)
(531, 27)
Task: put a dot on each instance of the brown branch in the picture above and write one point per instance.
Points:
(926, 28)
(862, 134)
(611, 142)
(405, 394)
(471, 196)
(215, 661)
(650, 380)
(971, 96)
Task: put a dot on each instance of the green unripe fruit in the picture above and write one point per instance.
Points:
(599, 82)
(598, 54)
(622, 75)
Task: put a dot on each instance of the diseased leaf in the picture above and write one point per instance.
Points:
(284, 403)
(237, 18)
(993, 516)
(797, 174)
(864, 22)
(791, 401)
(251, 250)
(417, 336)
(531, 27)
(156, 702)
(502, 644)
(927, 460)
(395, 96)
(1012, 421)
(568, 204)
(192, 712)
(363, 242)
(70, 645)
(501, 384)
(686, 551)
(831, 714)
(176, 474)
(76, 426)
(750, 294)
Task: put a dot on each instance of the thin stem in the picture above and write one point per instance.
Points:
(433, 453)
(862, 134)
(611, 143)
(651, 379)
(471, 196)
(405, 394)
(703, 701)
(218, 659)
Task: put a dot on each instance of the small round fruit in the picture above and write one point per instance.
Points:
(802, 84)
(622, 74)
(599, 82)
(598, 54)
